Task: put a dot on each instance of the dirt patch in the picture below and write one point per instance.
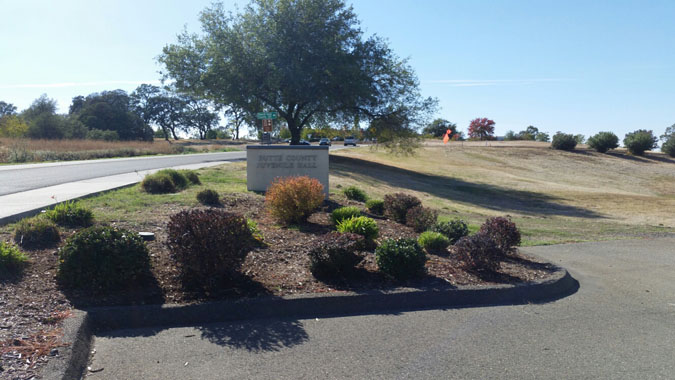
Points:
(33, 304)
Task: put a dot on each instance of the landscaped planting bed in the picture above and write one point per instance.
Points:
(34, 302)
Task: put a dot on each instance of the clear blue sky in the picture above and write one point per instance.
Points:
(573, 66)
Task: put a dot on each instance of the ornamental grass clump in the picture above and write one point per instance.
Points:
(342, 213)
(12, 260)
(335, 254)
(433, 242)
(361, 225)
(356, 194)
(208, 246)
(37, 232)
(421, 218)
(396, 206)
(103, 258)
(401, 259)
(169, 181)
(71, 214)
(454, 229)
(375, 206)
(293, 199)
(503, 232)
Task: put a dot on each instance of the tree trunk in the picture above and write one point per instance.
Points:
(295, 131)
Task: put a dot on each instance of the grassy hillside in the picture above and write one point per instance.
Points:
(554, 196)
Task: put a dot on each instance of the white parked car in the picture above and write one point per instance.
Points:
(350, 140)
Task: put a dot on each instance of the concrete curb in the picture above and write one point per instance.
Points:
(80, 329)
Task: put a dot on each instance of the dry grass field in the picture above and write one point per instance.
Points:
(29, 150)
(554, 196)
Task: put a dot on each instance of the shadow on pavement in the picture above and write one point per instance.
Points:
(257, 336)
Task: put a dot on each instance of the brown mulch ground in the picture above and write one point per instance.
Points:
(32, 305)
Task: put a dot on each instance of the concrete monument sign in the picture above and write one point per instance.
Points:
(265, 163)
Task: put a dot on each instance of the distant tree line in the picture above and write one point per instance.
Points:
(116, 115)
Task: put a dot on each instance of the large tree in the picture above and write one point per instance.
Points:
(111, 111)
(482, 129)
(304, 59)
(439, 127)
(7, 109)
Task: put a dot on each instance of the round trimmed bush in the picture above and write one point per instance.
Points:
(375, 206)
(563, 141)
(479, 252)
(355, 194)
(293, 199)
(603, 141)
(71, 214)
(177, 177)
(433, 241)
(342, 213)
(502, 231)
(208, 246)
(103, 258)
(401, 259)
(335, 254)
(208, 197)
(361, 225)
(454, 229)
(396, 206)
(36, 233)
(640, 141)
(12, 259)
(421, 218)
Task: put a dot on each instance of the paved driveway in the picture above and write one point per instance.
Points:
(619, 325)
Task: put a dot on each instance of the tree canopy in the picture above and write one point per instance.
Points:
(111, 111)
(306, 59)
(482, 129)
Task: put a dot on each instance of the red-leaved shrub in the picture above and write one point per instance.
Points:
(503, 231)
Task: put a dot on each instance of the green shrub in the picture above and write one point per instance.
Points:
(12, 259)
(103, 258)
(433, 241)
(36, 233)
(335, 254)
(603, 141)
(563, 141)
(355, 194)
(342, 213)
(255, 230)
(454, 229)
(479, 252)
(396, 206)
(668, 146)
(208, 197)
(191, 176)
(71, 214)
(361, 225)
(401, 259)
(421, 218)
(293, 199)
(639, 141)
(158, 183)
(375, 206)
(502, 231)
(177, 177)
(208, 246)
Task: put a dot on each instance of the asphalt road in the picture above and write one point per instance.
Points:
(619, 325)
(18, 178)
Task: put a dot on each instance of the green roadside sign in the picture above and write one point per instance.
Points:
(266, 115)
